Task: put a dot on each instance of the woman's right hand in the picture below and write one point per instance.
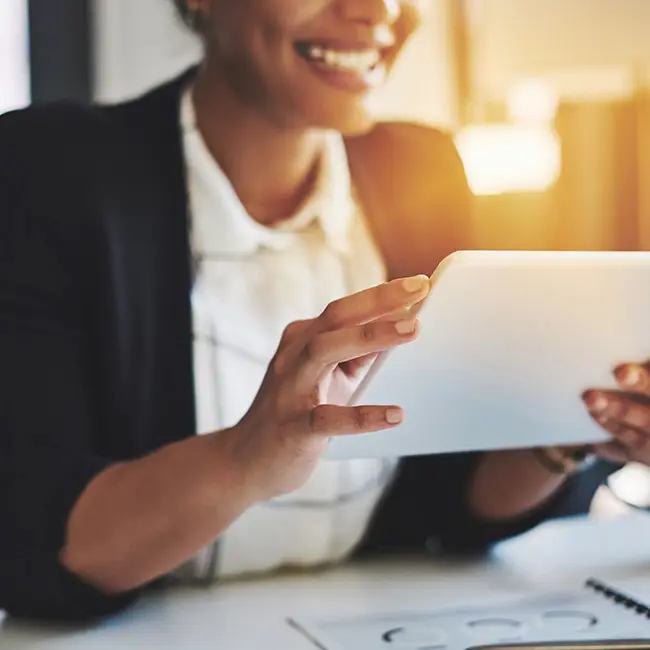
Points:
(301, 402)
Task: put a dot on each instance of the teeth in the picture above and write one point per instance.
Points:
(353, 61)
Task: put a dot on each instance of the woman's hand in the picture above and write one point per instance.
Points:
(625, 414)
(138, 520)
(301, 402)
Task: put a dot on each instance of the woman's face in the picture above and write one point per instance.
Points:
(308, 63)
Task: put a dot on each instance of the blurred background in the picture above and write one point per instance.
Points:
(548, 101)
(548, 98)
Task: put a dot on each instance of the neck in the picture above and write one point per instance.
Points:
(271, 167)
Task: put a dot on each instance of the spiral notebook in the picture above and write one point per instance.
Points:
(596, 613)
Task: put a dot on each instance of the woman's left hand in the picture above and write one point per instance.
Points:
(625, 414)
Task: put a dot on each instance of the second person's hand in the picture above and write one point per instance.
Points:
(302, 400)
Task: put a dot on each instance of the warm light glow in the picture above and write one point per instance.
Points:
(504, 158)
(532, 101)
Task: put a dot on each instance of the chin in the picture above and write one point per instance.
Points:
(332, 83)
(351, 128)
(348, 120)
(356, 127)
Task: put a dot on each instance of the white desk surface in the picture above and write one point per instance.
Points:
(252, 615)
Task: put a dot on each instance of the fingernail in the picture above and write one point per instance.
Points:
(596, 402)
(629, 374)
(394, 416)
(416, 283)
(404, 327)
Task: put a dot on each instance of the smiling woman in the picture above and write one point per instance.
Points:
(192, 284)
(305, 63)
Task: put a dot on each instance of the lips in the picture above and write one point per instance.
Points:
(359, 60)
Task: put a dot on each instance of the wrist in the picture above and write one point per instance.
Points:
(232, 469)
(562, 461)
(491, 495)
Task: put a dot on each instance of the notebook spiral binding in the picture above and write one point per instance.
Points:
(617, 597)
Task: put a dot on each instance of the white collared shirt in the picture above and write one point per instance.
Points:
(250, 282)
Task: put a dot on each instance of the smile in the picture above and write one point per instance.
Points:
(355, 61)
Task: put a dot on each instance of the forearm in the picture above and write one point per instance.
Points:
(137, 521)
(509, 484)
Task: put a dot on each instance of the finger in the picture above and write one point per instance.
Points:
(634, 377)
(325, 350)
(631, 439)
(410, 311)
(614, 452)
(400, 314)
(295, 330)
(291, 336)
(631, 410)
(373, 304)
(328, 420)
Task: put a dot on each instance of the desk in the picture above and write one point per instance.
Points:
(251, 615)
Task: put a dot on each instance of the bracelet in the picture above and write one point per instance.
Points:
(559, 461)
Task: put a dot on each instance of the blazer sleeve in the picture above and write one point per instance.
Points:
(426, 215)
(47, 415)
(427, 508)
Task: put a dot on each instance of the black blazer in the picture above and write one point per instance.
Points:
(95, 332)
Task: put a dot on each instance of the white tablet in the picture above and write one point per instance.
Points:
(509, 341)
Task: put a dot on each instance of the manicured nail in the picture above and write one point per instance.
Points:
(394, 416)
(596, 402)
(629, 374)
(417, 283)
(405, 327)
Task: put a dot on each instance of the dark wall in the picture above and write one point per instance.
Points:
(60, 50)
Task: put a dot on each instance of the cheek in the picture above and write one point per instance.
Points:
(294, 14)
(263, 30)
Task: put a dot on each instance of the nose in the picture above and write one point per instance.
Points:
(371, 12)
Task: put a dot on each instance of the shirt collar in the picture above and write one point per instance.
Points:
(331, 206)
